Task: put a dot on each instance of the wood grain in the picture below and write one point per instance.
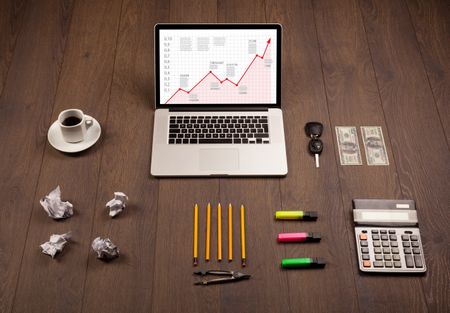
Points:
(353, 100)
(431, 22)
(411, 114)
(307, 187)
(125, 284)
(345, 63)
(88, 62)
(11, 20)
(25, 109)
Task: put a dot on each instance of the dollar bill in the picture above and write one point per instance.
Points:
(348, 145)
(376, 153)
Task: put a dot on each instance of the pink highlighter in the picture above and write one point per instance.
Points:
(299, 237)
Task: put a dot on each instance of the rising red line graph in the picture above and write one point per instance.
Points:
(222, 80)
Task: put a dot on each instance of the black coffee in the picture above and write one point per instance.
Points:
(71, 120)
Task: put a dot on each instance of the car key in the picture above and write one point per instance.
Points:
(316, 147)
(314, 129)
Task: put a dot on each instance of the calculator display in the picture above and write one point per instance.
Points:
(394, 216)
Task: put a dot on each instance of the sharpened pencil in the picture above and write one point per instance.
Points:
(230, 232)
(195, 234)
(243, 256)
(208, 231)
(219, 232)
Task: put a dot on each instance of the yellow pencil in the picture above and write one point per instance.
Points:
(230, 233)
(195, 234)
(219, 232)
(208, 231)
(243, 257)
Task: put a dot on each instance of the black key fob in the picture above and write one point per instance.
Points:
(314, 129)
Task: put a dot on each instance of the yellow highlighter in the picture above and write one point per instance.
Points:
(296, 215)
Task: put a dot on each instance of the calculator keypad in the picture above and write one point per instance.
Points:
(386, 249)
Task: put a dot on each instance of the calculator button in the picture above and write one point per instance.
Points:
(405, 237)
(385, 244)
(374, 231)
(378, 257)
(388, 264)
(407, 250)
(364, 250)
(415, 244)
(414, 238)
(383, 231)
(364, 243)
(418, 261)
(397, 264)
(394, 244)
(386, 250)
(364, 231)
(366, 257)
(387, 257)
(384, 237)
(378, 264)
(393, 237)
(406, 244)
(391, 231)
(396, 257)
(395, 251)
(409, 261)
(377, 250)
(366, 263)
(416, 251)
(375, 237)
(376, 243)
(362, 236)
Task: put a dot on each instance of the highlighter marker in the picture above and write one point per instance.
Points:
(299, 237)
(303, 263)
(296, 215)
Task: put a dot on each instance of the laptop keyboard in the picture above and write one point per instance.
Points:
(218, 129)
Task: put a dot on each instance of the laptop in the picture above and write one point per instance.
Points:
(218, 108)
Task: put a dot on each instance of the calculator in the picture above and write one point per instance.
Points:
(387, 236)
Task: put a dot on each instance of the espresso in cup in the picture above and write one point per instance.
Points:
(74, 125)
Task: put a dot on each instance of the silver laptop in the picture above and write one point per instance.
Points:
(218, 109)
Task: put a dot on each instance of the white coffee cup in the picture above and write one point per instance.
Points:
(74, 125)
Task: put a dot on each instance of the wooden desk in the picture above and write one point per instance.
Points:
(347, 62)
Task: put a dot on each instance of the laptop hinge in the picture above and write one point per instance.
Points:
(217, 109)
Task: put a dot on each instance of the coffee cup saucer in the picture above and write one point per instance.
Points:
(55, 138)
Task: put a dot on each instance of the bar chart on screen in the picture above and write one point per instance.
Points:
(218, 67)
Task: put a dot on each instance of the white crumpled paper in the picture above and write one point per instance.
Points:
(55, 244)
(56, 208)
(117, 204)
(105, 249)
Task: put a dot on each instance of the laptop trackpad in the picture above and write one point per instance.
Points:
(219, 159)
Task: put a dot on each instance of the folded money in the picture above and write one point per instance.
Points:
(117, 204)
(105, 249)
(55, 244)
(56, 208)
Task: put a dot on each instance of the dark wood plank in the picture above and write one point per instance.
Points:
(431, 21)
(173, 289)
(125, 284)
(411, 116)
(306, 187)
(353, 100)
(84, 83)
(268, 287)
(25, 109)
(11, 20)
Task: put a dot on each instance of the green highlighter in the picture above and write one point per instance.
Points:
(296, 215)
(303, 263)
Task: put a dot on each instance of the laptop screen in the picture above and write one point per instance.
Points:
(217, 64)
